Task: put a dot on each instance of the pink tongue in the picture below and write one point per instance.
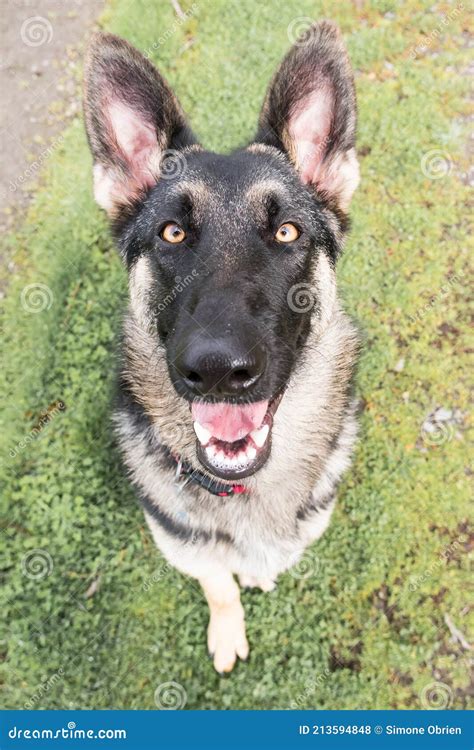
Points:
(229, 422)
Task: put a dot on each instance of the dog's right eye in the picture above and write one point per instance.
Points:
(173, 233)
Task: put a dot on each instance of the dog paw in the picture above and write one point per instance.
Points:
(252, 582)
(226, 639)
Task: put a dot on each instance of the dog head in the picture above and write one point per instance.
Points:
(231, 258)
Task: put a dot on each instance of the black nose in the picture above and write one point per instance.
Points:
(219, 368)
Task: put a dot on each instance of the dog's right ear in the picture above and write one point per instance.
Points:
(132, 117)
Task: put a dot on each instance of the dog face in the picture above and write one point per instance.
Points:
(230, 257)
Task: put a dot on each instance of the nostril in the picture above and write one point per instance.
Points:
(240, 377)
(194, 377)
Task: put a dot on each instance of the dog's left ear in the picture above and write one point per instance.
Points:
(310, 113)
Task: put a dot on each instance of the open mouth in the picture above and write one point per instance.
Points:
(233, 440)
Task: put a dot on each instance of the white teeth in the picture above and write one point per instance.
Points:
(251, 452)
(203, 435)
(259, 436)
(245, 455)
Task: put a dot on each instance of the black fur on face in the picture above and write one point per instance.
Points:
(224, 245)
(230, 278)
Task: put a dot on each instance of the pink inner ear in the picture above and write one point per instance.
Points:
(137, 141)
(309, 128)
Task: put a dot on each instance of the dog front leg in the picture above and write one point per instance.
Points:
(226, 633)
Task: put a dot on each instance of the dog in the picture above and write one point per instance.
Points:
(236, 412)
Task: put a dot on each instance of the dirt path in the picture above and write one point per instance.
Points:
(41, 47)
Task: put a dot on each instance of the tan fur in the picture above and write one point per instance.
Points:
(261, 189)
(262, 148)
(139, 284)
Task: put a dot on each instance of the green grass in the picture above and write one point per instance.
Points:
(366, 627)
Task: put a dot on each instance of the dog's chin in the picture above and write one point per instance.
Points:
(241, 458)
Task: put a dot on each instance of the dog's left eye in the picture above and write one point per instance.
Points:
(173, 233)
(287, 233)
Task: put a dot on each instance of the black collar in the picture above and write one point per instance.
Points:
(184, 469)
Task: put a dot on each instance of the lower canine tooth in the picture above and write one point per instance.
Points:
(251, 452)
(259, 436)
(203, 435)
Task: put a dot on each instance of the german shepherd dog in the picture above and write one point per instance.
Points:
(236, 415)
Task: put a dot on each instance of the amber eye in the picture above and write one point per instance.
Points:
(287, 233)
(173, 233)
